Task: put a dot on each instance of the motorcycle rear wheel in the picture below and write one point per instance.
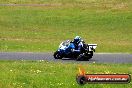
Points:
(80, 57)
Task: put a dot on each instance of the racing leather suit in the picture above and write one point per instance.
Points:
(78, 47)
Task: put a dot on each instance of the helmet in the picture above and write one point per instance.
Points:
(77, 39)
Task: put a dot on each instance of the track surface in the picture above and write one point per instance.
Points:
(98, 57)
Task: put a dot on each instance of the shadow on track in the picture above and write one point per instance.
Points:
(74, 59)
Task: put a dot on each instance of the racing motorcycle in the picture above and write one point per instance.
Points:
(65, 51)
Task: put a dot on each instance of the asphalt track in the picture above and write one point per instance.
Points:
(98, 57)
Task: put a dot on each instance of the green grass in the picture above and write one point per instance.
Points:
(44, 74)
(41, 29)
(108, 2)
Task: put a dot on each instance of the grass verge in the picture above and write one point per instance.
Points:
(45, 74)
(42, 28)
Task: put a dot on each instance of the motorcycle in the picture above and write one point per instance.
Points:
(66, 48)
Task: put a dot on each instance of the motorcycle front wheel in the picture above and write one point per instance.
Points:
(57, 55)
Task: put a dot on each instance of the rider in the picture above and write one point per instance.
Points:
(78, 42)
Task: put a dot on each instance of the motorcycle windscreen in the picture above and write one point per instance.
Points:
(64, 44)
